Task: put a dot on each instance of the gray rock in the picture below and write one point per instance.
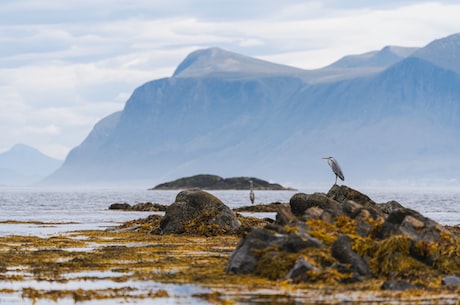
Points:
(451, 280)
(120, 206)
(284, 216)
(128, 229)
(343, 193)
(390, 206)
(411, 223)
(301, 202)
(298, 271)
(199, 208)
(342, 251)
(394, 285)
(243, 260)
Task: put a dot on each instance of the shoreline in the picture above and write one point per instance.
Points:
(115, 266)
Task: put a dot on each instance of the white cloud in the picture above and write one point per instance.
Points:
(50, 129)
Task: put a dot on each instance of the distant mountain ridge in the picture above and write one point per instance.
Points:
(23, 164)
(390, 114)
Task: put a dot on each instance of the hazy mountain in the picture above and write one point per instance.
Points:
(23, 164)
(384, 58)
(443, 52)
(222, 63)
(387, 115)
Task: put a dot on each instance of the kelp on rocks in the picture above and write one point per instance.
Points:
(392, 242)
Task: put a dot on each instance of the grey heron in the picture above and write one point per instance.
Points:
(251, 193)
(335, 168)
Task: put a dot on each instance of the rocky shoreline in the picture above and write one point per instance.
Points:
(341, 237)
(339, 247)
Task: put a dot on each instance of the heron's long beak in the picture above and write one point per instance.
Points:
(325, 158)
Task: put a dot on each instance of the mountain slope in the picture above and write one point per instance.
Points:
(228, 114)
(443, 52)
(384, 58)
(216, 61)
(23, 164)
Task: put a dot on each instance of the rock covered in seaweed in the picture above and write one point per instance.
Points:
(282, 243)
(142, 206)
(198, 212)
(342, 251)
(356, 239)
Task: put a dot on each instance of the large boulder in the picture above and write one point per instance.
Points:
(243, 259)
(404, 221)
(342, 251)
(198, 212)
(270, 251)
(301, 202)
(343, 193)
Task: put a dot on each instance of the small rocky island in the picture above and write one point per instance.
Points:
(213, 182)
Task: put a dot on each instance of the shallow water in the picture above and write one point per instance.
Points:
(177, 294)
(64, 210)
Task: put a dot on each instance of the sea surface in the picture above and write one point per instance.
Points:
(76, 209)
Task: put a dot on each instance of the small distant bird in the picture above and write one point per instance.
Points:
(335, 168)
(251, 193)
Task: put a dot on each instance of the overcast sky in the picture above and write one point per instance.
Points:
(64, 65)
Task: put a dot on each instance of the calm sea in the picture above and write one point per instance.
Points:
(88, 208)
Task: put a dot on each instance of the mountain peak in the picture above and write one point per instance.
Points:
(383, 58)
(443, 52)
(23, 148)
(219, 61)
(23, 164)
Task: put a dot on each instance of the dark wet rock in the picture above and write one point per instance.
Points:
(243, 260)
(395, 285)
(284, 216)
(351, 208)
(127, 229)
(298, 203)
(390, 206)
(411, 223)
(313, 213)
(343, 193)
(451, 280)
(198, 212)
(364, 228)
(301, 202)
(142, 207)
(268, 243)
(149, 206)
(272, 207)
(342, 251)
(298, 273)
(120, 206)
(298, 240)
